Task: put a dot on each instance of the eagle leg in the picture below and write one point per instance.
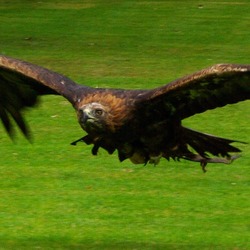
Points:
(204, 161)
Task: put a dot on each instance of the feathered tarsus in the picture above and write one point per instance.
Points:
(142, 125)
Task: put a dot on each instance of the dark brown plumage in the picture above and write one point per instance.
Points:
(143, 125)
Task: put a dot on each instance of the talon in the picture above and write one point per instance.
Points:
(155, 159)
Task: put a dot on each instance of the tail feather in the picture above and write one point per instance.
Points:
(205, 143)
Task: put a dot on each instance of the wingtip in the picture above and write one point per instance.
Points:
(28, 136)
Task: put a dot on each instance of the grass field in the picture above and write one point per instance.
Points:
(55, 196)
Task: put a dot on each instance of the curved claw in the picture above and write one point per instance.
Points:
(205, 161)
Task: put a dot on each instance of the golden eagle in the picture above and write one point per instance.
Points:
(142, 125)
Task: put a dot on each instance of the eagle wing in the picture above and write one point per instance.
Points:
(20, 85)
(210, 88)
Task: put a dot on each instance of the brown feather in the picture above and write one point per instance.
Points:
(143, 125)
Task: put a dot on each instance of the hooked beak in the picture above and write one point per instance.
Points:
(84, 117)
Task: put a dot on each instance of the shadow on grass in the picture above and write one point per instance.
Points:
(47, 243)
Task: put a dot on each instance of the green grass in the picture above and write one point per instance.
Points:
(55, 196)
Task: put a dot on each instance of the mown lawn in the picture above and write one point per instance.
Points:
(56, 196)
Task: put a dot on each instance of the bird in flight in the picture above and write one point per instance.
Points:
(142, 125)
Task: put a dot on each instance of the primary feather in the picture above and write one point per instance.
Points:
(143, 125)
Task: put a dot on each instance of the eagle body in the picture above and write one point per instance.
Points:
(142, 125)
(161, 136)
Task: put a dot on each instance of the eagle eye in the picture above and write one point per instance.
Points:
(98, 112)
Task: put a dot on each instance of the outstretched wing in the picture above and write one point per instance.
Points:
(20, 85)
(210, 88)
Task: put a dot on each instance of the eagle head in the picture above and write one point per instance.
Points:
(93, 117)
(102, 113)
